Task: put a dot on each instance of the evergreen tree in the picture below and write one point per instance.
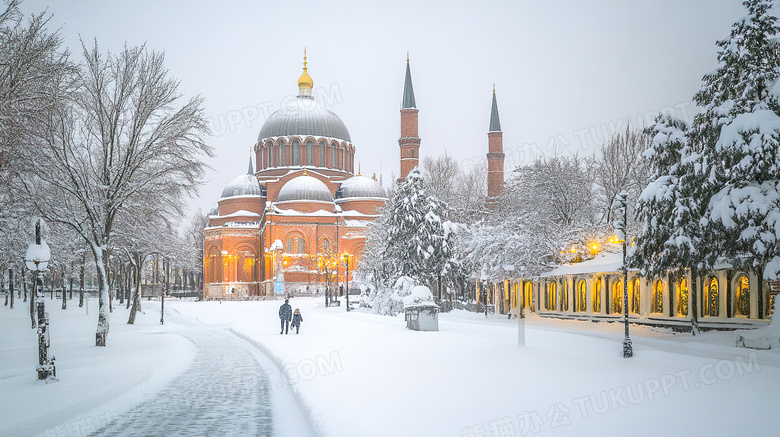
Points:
(418, 240)
(739, 134)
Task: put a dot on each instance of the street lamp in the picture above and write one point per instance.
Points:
(620, 231)
(37, 260)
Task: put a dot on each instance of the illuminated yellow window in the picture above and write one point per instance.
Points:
(633, 295)
(595, 296)
(617, 297)
(515, 292)
(682, 298)
(551, 292)
(582, 297)
(658, 297)
(565, 296)
(711, 295)
(742, 303)
(528, 295)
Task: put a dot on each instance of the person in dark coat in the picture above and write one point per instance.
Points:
(296, 321)
(285, 314)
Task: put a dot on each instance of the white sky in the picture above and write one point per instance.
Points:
(566, 72)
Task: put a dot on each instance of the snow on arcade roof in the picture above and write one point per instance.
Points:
(603, 262)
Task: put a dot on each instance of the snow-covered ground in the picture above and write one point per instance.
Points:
(362, 374)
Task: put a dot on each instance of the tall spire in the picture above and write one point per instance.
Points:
(408, 100)
(495, 123)
(495, 155)
(305, 82)
(251, 170)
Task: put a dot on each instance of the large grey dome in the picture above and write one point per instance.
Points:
(360, 186)
(304, 188)
(244, 185)
(304, 116)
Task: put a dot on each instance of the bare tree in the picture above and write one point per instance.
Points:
(622, 168)
(119, 138)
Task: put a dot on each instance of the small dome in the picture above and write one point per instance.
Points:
(360, 186)
(305, 81)
(214, 210)
(304, 188)
(244, 185)
(304, 116)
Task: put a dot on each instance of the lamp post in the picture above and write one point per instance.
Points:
(345, 257)
(620, 231)
(37, 260)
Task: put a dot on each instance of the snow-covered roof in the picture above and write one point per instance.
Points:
(240, 213)
(244, 185)
(601, 263)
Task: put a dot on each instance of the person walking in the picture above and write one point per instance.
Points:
(285, 314)
(296, 321)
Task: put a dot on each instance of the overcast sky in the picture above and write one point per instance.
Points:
(567, 73)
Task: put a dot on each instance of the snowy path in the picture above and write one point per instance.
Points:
(224, 392)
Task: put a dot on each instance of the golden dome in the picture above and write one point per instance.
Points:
(305, 81)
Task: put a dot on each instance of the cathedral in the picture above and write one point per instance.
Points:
(297, 221)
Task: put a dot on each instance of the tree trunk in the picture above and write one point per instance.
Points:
(64, 297)
(11, 286)
(81, 285)
(24, 283)
(104, 316)
(137, 292)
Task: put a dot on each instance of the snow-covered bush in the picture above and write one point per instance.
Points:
(418, 295)
(389, 301)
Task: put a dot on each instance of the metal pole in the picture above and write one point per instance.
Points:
(347, 282)
(628, 350)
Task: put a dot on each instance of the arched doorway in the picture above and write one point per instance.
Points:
(552, 291)
(742, 297)
(711, 298)
(617, 297)
(582, 296)
(681, 298)
(657, 305)
(595, 295)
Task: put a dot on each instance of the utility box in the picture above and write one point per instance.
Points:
(423, 316)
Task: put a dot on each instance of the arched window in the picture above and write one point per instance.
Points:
(528, 290)
(309, 153)
(296, 147)
(269, 146)
(280, 160)
(322, 154)
(343, 158)
(742, 301)
(658, 297)
(564, 295)
(711, 307)
(681, 300)
(245, 266)
(325, 245)
(515, 303)
(595, 295)
(552, 291)
(617, 297)
(633, 296)
(333, 155)
(582, 297)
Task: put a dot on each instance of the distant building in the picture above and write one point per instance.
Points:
(274, 226)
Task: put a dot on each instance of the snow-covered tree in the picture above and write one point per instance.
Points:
(410, 238)
(122, 135)
(738, 132)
